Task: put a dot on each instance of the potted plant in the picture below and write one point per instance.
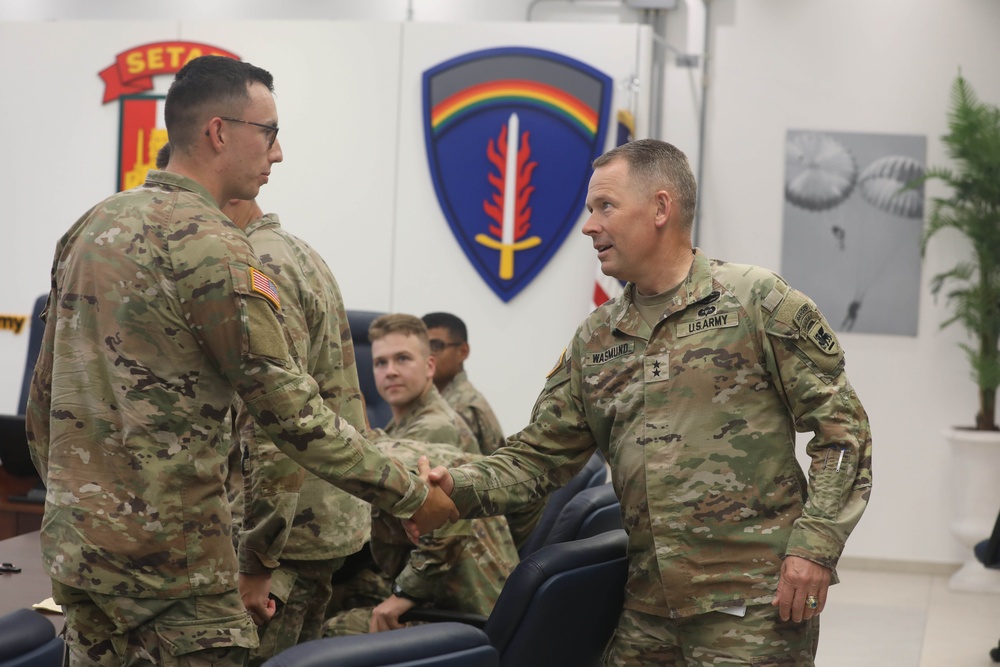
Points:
(972, 290)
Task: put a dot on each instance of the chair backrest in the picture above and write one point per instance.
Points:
(593, 474)
(561, 605)
(28, 639)
(432, 645)
(591, 512)
(988, 551)
(379, 412)
(35, 331)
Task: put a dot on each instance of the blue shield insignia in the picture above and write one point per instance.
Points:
(510, 135)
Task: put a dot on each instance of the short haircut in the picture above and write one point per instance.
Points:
(454, 325)
(208, 86)
(163, 156)
(408, 325)
(657, 165)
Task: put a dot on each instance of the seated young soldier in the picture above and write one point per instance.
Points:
(404, 377)
(449, 342)
(461, 566)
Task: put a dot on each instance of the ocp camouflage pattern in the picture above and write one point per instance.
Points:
(151, 330)
(292, 513)
(697, 419)
(475, 410)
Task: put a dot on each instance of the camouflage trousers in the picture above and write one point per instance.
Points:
(303, 590)
(351, 609)
(760, 639)
(114, 631)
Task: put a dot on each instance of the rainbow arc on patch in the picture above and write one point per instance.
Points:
(510, 135)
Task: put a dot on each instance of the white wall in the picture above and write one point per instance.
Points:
(852, 65)
(861, 66)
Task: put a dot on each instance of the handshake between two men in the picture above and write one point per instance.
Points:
(438, 507)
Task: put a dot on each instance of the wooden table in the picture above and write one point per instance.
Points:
(17, 518)
(31, 584)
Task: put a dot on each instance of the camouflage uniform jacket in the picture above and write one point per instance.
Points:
(292, 513)
(461, 566)
(476, 411)
(697, 418)
(431, 419)
(158, 315)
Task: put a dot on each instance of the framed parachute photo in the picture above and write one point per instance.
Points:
(851, 234)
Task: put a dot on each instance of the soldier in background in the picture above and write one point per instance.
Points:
(298, 529)
(449, 343)
(404, 377)
(462, 566)
(692, 384)
(159, 315)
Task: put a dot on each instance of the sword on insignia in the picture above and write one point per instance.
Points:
(507, 245)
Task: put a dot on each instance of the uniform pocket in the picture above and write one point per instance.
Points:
(220, 640)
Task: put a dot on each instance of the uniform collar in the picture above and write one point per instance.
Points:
(697, 286)
(154, 176)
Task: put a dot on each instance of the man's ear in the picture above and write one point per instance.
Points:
(463, 351)
(431, 365)
(214, 133)
(664, 206)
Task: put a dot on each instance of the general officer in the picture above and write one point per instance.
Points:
(159, 315)
(693, 384)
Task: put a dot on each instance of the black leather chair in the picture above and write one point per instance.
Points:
(560, 605)
(379, 412)
(988, 553)
(434, 645)
(28, 639)
(37, 328)
(593, 474)
(591, 512)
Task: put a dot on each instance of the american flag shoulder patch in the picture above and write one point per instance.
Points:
(265, 287)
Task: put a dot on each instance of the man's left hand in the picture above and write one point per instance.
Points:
(801, 580)
(255, 590)
(386, 615)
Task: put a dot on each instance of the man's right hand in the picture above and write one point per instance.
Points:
(437, 507)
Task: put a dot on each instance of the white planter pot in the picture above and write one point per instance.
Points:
(976, 498)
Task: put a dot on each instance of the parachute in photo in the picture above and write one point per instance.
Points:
(820, 172)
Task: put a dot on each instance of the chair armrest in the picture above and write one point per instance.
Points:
(431, 615)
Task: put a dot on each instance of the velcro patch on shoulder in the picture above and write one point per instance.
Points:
(819, 333)
(559, 364)
(264, 286)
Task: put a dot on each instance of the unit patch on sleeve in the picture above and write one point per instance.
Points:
(265, 287)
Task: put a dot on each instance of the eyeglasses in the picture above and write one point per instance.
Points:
(439, 345)
(272, 129)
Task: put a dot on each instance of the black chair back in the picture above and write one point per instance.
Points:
(379, 412)
(35, 331)
(593, 474)
(561, 605)
(28, 639)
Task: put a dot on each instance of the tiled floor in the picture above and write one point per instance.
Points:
(897, 619)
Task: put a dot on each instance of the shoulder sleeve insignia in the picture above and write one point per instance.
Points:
(562, 359)
(265, 287)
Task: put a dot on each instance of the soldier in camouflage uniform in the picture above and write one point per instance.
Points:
(404, 372)
(404, 377)
(159, 315)
(298, 529)
(449, 343)
(693, 384)
(460, 567)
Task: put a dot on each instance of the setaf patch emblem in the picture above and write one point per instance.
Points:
(510, 135)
